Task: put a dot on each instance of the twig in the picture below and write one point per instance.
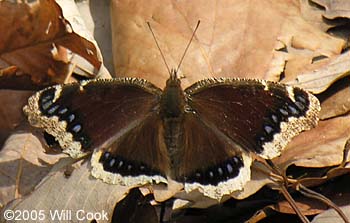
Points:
(292, 203)
(313, 194)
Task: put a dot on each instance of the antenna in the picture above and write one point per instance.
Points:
(188, 45)
(155, 39)
(183, 55)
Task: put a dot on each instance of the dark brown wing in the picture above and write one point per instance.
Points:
(137, 157)
(260, 116)
(84, 116)
(118, 119)
(211, 162)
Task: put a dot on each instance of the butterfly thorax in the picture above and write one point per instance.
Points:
(172, 111)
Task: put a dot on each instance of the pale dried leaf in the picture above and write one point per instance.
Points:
(321, 75)
(71, 13)
(165, 192)
(335, 9)
(313, 14)
(80, 191)
(23, 165)
(331, 216)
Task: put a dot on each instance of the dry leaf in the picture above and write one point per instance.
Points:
(23, 165)
(80, 191)
(32, 36)
(11, 114)
(72, 14)
(313, 14)
(321, 75)
(232, 40)
(330, 216)
(336, 100)
(335, 9)
(319, 147)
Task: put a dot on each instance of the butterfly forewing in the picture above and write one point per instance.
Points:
(84, 116)
(260, 116)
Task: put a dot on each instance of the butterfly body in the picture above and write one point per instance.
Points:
(202, 136)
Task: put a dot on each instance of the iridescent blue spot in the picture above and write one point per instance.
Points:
(293, 110)
(300, 105)
(229, 168)
(111, 162)
(52, 109)
(62, 111)
(274, 118)
(70, 118)
(220, 171)
(46, 105)
(76, 128)
(283, 111)
(268, 129)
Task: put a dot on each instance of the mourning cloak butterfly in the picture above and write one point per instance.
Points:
(203, 136)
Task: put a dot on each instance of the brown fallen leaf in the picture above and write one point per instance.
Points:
(313, 14)
(226, 42)
(336, 100)
(320, 147)
(318, 77)
(32, 37)
(334, 9)
(11, 114)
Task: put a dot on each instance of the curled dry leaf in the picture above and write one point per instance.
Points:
(336, 100)
(80, 191)
(321, 75)
(232, 40)
(313, 14)
(77, 21)
(334, 9)
(32, 35)
(320, 147)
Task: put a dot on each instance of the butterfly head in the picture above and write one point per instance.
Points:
(173, 80)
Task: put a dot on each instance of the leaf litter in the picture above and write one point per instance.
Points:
(291, 37)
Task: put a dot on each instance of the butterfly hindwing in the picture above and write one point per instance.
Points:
(261, 116)
(138, 157)
(211, 162)
(83, 116)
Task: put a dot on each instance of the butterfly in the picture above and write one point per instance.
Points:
(204, 136)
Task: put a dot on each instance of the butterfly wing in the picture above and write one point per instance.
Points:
(137, 157)
(116, 117)
(211, 162)
(260, 116)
